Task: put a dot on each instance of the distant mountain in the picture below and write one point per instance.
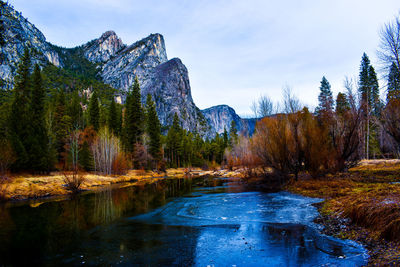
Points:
(112, 62)
(220, 118)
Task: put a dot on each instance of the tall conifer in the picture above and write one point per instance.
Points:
(113, 119)
(325, 99)
(94, 111)
(153, 128)
(393, 89)
(19, 119)
(39, 158)
(133, 121)
(342, 104)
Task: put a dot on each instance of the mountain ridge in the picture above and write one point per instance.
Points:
(111, 61)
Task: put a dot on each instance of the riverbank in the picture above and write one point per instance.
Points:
(362, 205)
(25, 186)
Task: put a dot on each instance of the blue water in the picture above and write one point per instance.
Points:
(256, 229)
(172, 223)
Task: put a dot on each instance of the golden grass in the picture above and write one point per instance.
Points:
(366, 196)
(25, 186)
(368, 200)
(375, 206)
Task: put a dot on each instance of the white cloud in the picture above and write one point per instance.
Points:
(234, 50)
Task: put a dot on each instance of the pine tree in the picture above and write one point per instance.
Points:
(325, 106)
(153, 128)
(39, 158)
(85, 157)
(62, 124)
(19, 119)
(364, 83)
(233, 136)
(113, 119)
(342, 104)
(174, 144)
(393, 90)
(94, 111)
(225, 138)
(75, 111)
(370, 103)
(133, 117)
(374, 85)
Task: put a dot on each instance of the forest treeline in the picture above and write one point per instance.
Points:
(68, 119)
(45, 127)
(357, 124)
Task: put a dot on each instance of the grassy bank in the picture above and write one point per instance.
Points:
(25, 186)
(362, 205)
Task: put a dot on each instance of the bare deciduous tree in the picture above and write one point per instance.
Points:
(291, 104)
(105, 150)
(73, 179)
(263, 107)
(389, 49)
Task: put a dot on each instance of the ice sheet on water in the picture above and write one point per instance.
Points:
(235, 208)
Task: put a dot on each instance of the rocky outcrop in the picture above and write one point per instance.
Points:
(104, 48)
(220, 118)
(137, 59)
(20, 33)
(118, 65)
(168, 83)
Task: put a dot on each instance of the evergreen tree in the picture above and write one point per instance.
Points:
(233, 136)
(393, 90)
(62, 124)
(113, 119)
(370, 103)
(19, 119)
(342, 104)
(133, 117)
(374, 85)
(75, 111)
(364, 83)
(225, 138)
(174, 144)
(94, 111)
(39, 158)
(325, 106)
(85, 157)
(153, 128)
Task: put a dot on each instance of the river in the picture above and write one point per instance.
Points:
(173, 222)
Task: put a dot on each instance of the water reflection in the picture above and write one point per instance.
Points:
(255, 229)
(33, 234)
(181, 222)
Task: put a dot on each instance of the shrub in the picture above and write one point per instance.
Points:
(73, 180)
(121, 164)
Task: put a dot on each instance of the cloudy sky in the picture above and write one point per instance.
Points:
(235, 51)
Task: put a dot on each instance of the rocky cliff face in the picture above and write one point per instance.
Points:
(220, 118)
(102, 49)
(20, 33)
(137, 59)
(168, 83)
(117, 65)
